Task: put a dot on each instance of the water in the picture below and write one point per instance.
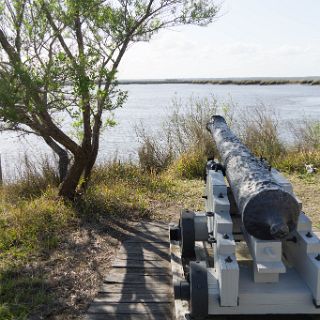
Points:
(150, 104)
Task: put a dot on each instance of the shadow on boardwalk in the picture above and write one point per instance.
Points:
(139, 283)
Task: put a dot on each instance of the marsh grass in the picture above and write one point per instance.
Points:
(32, 180)
(189, 144)
(306, 135)
(258, 128)
(294, 161)
(183, 144)
(124, 189)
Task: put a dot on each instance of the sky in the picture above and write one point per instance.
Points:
(250, 38)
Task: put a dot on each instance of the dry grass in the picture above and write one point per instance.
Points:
(307, 188)
(258, 128)
(184, 144)
(54, 254)
(54, 269)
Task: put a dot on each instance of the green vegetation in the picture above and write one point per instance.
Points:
(184, 144)
(35, 223)
(59, 61)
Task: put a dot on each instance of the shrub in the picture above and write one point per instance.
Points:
(153, 156)
(294, 161)
(187, 124)
(32, 180)
(258, 129)
(183, 133)
(33, 224)
(190, 165)
(306, 135)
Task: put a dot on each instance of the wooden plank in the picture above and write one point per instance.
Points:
(151, 233)
(146, 250)
(136, 287)
(139, 271)
(155, 237)
(146, 245)
(134, 297)
(156, 248)
(101, 316)
(131, 308)
(137, 278)
(144, 257)
(138, 259)
(139, 284)
(139, 264)
(148, 239)
(153, 225)
(149, 287)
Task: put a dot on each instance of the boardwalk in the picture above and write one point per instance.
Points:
(139, 285)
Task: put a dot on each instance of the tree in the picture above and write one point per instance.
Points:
(59, 60)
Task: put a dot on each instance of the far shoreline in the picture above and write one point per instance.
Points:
(263, 81)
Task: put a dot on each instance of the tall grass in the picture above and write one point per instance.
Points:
(32, 179)
(30, 228)
(185, 144)
(306, 135)
(258, 128)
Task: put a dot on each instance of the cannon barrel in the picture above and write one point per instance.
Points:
(267, 210)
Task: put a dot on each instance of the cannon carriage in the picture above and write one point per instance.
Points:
(263, 257)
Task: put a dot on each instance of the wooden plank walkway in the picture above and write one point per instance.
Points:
(139, 285)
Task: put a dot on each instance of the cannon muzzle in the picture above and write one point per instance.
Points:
(268, 211)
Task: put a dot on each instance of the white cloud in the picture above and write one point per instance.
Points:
(227, 49)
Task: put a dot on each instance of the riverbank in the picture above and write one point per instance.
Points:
(263, 81)
(292, 104)
(54, 254)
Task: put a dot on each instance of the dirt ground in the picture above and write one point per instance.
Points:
(307, 189)
(76, 269)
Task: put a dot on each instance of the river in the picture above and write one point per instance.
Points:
(150, 104)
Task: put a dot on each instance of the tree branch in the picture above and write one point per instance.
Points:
(58, 33)
(83, 84)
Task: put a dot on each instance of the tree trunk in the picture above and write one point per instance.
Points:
(63, 165)
(88, 170)
(69, 186)
(63, 157)
(92, 159)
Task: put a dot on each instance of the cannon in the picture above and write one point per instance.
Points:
(253, 250)
(267, 210)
